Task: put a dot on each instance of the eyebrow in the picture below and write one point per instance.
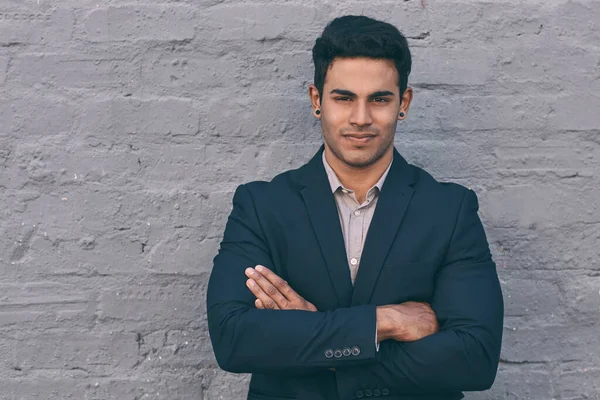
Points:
(381, 93)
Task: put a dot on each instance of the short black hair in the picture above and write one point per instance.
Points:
(360, 36)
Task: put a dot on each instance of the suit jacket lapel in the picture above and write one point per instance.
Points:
(324, 217)
(391, 205)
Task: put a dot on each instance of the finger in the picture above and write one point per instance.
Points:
(281, 285)
(268, 288)
(267, 302)
(259, 304)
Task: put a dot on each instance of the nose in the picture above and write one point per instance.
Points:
(361, 114)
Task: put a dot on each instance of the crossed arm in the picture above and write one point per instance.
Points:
(462, 355)
(406, 322)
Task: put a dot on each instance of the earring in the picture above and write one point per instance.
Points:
(402, 114)
(318, 112)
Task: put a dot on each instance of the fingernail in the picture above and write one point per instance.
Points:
(259, 268)
(249, 271)
(250, 282)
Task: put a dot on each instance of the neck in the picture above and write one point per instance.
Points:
(361, 179)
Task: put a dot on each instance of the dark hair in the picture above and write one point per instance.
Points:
(360, 36)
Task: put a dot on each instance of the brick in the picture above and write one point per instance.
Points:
(409, 17)
(50, 388)
(221, 384)
(73, 70)
(285, 156)
(178, 349)
(565, 15)
(129, 116)
(258, 120)
(154, 307)
(430, 111)
(530, 297)
(6, 116)
(189, 71)
(578, 381)
(537, 248)
(3, 68)
(548, 343)
(515, 383)
(249, 22)
(53, 115)
(539, 205)
(132, 23)
(74, 162)
(577, 108)
(552, 158)
(88, 351)
(182, 253)
(453, 66)
(534, 62)
(32, 301)
(447, 160)
(35, 25)
(162, 387)
(481, 22)
(582, 295)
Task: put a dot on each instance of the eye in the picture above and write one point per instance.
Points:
(380, 100)
(343, 98)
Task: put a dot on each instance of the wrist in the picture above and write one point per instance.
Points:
(385, 328)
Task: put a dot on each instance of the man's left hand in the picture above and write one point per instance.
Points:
(272, 292)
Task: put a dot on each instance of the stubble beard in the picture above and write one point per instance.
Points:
(359, 164)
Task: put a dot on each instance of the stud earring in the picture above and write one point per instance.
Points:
(318, 112)
(402, 114)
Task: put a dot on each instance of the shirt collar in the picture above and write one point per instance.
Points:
(334, 181)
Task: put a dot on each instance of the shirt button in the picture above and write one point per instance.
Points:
(357, 213)
(353, 261)
(355, 351)
(346, 352)
(337, 353)
(385, 391)
(328, 353)
(376, 393)
(359, 394)
(368, 393)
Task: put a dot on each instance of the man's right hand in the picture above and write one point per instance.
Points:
(406, 322)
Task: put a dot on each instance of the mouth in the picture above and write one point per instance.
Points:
(359, 138)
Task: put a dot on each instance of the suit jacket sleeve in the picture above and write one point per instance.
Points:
(467, 300)
(246, 339)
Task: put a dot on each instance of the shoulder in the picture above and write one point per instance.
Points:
(283, 184)
(441, 194)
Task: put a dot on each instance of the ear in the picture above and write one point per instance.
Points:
(315, 99)
(407, 97)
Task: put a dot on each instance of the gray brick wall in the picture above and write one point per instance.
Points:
(126, 126)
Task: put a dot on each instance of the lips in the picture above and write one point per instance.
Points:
(359, 138)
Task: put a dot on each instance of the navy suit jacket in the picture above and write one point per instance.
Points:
(425, 243)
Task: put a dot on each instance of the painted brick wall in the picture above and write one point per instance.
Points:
(126, 126)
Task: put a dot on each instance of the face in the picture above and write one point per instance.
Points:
(359, 109)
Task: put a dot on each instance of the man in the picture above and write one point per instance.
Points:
(357, 275)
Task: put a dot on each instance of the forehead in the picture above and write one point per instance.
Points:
(362, 75)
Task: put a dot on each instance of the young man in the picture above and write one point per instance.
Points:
(357, 275)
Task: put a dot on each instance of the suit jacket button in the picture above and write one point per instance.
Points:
(355, 351)
(337, 353)
(346, 352)
(368, 393)
(376, 393)
(385, 391)
(328, 353)
(359, 394)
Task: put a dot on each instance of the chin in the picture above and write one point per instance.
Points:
(359, 161)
